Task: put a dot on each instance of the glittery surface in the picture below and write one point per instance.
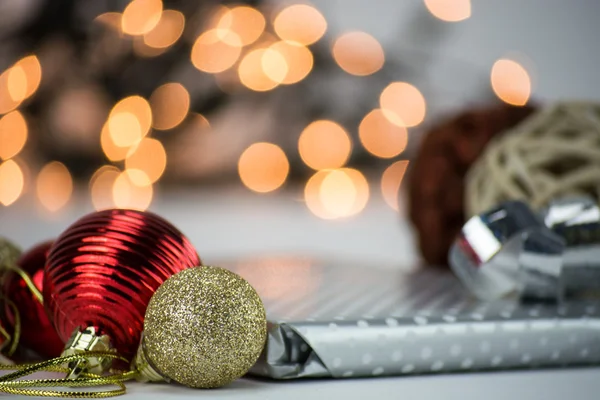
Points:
(204, 327)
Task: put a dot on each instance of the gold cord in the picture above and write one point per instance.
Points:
(10, 384)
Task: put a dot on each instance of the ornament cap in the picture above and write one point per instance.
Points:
(146, 371)
(87, 340)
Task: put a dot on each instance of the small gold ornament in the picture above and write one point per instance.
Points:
(204, 327)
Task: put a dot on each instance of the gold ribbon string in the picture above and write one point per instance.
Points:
(9, 384)
(14, 338)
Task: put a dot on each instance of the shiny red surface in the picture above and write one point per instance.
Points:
(103, 270)
(37, 332)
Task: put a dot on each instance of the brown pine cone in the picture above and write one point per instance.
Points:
(436, 180)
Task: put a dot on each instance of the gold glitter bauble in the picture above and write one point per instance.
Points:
(9, 253)
(204, 327)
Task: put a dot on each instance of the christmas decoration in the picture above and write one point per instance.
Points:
(204, 327)
(554, 153)
(9, 253)
(37, 332)
(100, 275)
(436, 177)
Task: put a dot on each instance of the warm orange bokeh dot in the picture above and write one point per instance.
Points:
(129, 121)
(110, 149)
(11, 182)
(449, 10)
(300, 23)
(24, 78)
(54, 186)
(246, 22)
(324, 144)
(511, 82)
(7, 103)
(111, 20)
(390, 182)
(167, 31)
(263, 167)
(141, 49)
(274, 65)
(337, 193)
(403, 104)
(298, 58)
(216, 50)
(380, 137)
(128, 194)
(101, 186)
(141, 16)
(358, 53)
(170, 104)
(150, 157)
(13, 134)
(252, 74)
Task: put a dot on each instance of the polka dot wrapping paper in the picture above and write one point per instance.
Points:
(340, 321)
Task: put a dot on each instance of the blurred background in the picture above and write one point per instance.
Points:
(261, 125)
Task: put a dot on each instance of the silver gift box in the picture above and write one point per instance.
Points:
(336, 320)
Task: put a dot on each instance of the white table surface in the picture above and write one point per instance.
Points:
(228, 223)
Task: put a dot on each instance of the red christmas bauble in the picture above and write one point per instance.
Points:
(37, 332)
(103, 270)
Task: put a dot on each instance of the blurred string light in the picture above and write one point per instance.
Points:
(13, 134)
(141, 16)
(216, 50)
(127, 193)
(298, 58)
(11, 182)
(300, 23)
(449, 10)
(511, 82)
(358, 53)
(167, 31)
(129, 121)
(170, 104)
(54, 186)
(336, 193)
(148, 157)
(324, 144)
(110, 149)
(263, 167)
(246, 22)
(252, 74)
(391, 180)
(381, 137)
(403, 104)
(141, 49)
(19, 82)
(101, 186)
(110, 19)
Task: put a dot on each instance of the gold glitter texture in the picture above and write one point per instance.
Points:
(204, 327)
(9, 253)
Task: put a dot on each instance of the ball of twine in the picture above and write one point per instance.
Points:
(553, 153)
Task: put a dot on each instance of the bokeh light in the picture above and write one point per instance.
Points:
(150, 157)
(391, 180)
(140, 48)
(246, 22)
(511, 82)
(252, 74)
(11, 182)
(7, 103)
(13, 134)
(129, 121)
(300, 23)
(298, 58)
(274, 65)
(324, 144)
(358, 53)
(54, 186)
(170, 104)
(24, 78)
(403, 104)
(128, 194)
(263, 167)
(101, 186)
(381, 137)
(167, 31)
(111, 20)
(216, 50)
(141, 16)
(110, 149)
(336, 193)
(449, 10)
